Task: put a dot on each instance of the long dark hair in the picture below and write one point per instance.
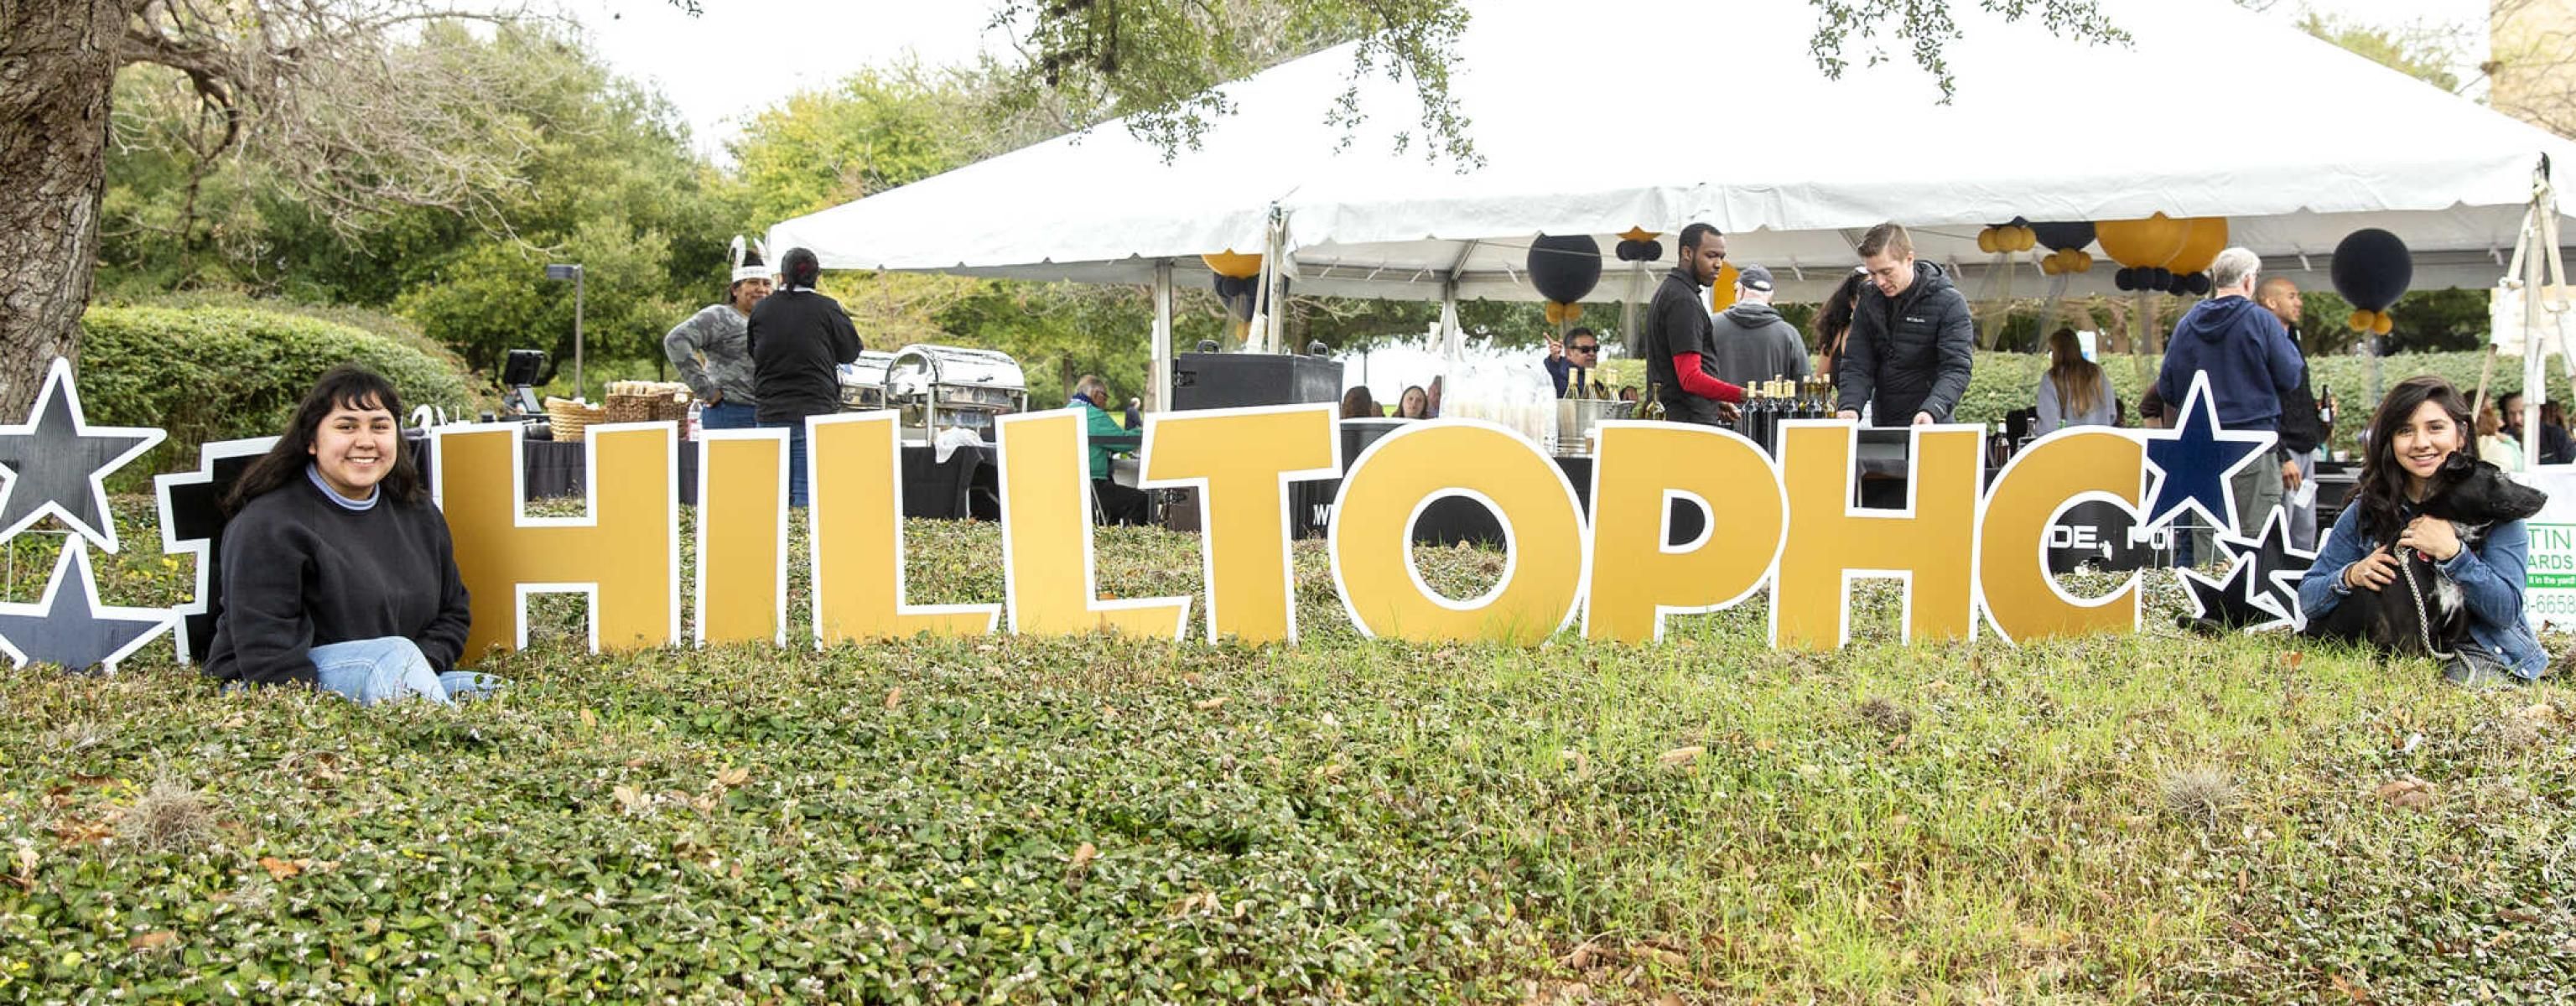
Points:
(1834, 321)
(2383, 481)
(2078, 380)
(347, 384)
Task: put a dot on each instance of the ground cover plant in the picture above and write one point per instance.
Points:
(2152, 818)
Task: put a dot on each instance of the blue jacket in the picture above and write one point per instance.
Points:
(2490, 576)
(2247, 354)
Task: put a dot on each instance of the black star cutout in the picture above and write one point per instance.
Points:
(2221, 604)
(56, 463)
(2278, 568)
(70, 628)
(192, 522)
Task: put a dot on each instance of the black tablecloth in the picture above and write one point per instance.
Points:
(961, 486)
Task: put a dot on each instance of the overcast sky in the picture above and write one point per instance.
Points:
(742, 55)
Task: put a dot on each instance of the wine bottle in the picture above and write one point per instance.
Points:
(1651, 406)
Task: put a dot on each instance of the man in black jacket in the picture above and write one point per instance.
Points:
(799, 339)
(2301, 429)
(1912, 341)
(1680, 355)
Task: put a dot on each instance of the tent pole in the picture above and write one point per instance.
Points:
(1277, 281)
(2535, 372)
(1158, 387)
(1450, 341)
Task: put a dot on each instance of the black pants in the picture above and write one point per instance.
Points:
(1122, 505)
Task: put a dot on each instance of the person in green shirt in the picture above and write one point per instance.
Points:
(1118, 504)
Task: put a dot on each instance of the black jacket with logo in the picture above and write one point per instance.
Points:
(1909, 355)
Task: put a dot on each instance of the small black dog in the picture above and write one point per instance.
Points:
(2422, 613)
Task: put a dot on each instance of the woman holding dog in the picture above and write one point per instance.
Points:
(337, 569)
(2421, 424)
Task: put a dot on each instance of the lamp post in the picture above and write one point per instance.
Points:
(573, 273)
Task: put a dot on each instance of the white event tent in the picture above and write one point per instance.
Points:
(1596, 118)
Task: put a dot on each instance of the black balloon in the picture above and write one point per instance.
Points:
(2126, 279)
(2372, 268)
(1564, 267)
(2061, 236)
(1628, 250)
(2160, 278)
(1654, 252)
(2200, 284)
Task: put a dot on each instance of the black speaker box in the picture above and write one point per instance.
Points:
(1237, 380)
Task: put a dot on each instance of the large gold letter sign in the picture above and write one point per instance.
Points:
(1048, 584)
(2056, 472)
(1372, 534)
(624, 553)
(1637, 576)
(742, 535)
(857, 511)
(1931, 545)
(1241, 461)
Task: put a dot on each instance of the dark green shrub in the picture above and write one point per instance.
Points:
(220, 373)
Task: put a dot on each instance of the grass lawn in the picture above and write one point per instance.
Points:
(2154, 818)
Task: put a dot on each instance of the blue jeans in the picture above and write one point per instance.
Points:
(728, 416)
(795, 459)
(383, 670)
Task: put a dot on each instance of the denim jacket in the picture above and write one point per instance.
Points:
(2490, 576)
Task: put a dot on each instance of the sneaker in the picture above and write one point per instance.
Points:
(2473, 674)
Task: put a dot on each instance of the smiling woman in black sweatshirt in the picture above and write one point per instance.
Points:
(337, 569)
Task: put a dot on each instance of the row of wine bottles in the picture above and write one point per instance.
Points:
(1768, 403)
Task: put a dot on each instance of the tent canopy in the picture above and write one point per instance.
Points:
(1596, 118)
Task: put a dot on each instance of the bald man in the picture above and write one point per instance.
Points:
(2301, 430)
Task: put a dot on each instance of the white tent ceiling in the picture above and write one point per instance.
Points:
(1598, 117)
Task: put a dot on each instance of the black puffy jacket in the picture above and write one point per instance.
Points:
(1909, 355)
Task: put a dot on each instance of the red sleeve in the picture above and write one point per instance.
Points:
(1697, 382)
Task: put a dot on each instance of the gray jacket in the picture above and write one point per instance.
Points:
(1755, 344)
(713, 351)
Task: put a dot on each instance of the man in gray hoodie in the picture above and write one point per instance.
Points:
(1753, 342)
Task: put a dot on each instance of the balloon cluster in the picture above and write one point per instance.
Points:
(2065, 243)
(1238, 279)
(1564, 268)
(2016, 236)
(2371, 269)
(2163, 254)
(1638, 244)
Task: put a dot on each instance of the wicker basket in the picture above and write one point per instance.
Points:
(671, 408)
(629, 408)
(570, 418)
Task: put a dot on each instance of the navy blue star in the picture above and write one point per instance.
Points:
(2220, 605)
(2278, 568)
(2193, 460)
(69, 627)
(57, 462)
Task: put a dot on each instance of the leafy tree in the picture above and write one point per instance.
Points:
(602, 175)
(1157, 62)
(875, 130)
(2426, 53)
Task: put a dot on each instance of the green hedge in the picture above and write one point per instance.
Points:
(220, 373)
(2007, 381)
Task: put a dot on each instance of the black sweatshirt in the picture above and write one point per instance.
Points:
(799, 339)
(301, 571)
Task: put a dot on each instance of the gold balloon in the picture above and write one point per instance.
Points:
(2203, 239)
(1986, 241)
(2382, 324)
(1228, 264)
(2141, 244)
